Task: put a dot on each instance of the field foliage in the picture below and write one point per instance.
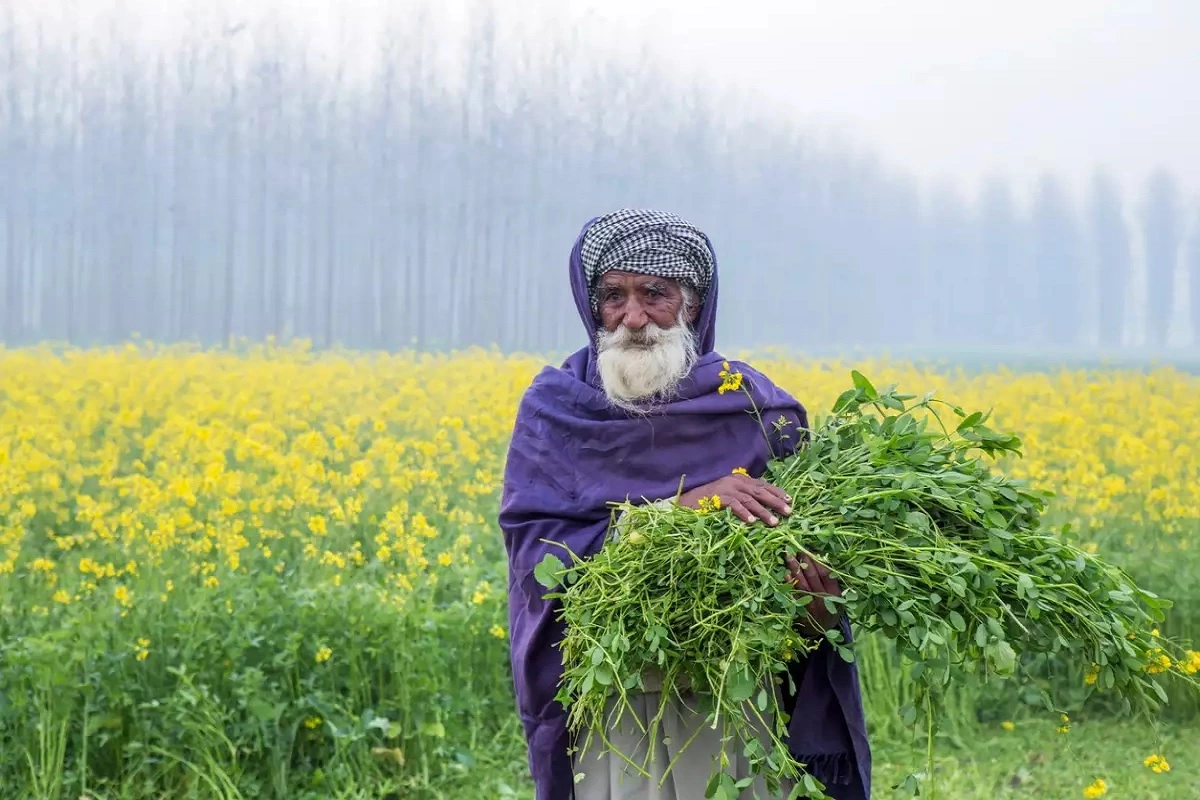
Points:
(276, 573)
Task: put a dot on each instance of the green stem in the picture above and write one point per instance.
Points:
(929, 746)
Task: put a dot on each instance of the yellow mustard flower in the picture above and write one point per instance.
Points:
(1157, 763)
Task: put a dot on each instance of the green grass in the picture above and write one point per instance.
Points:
(982, 762)
(1035, 761)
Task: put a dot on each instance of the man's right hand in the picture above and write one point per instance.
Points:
(749, 498)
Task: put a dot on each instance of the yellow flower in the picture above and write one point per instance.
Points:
(1007, 725)
(122, 595)
(1159, 661)
(498, 632)
(62, 596)
(741, 471)
(708, 504)
(1157, 763)
(312, 722)
(211, 582)
(445, 559)
(142, 649)
(1093, 672)
(323, 655)
(1098, 788)
(1065, 725)
(730, 381)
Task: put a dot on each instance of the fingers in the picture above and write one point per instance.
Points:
(818, 576)
(767, 494)
(830, 583)
(797, 577)
(760, 511)
(811, 575)
(743, 513)
(770, 496)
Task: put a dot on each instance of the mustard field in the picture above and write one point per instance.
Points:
(277, 573)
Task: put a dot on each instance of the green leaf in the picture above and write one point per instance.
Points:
(957, 621)
(970, 421)
(739, 685)
(863, 385)
(548, 571)
(1003, 657)
(845, 401)
(265, 712)
(762, 700)
(604, 675)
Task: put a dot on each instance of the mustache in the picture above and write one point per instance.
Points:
(649, 336)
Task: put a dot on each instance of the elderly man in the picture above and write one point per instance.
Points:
(630, 416)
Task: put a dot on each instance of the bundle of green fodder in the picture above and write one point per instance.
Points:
(933, 548)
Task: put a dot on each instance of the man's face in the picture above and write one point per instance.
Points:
(646, 344)
(632, 300)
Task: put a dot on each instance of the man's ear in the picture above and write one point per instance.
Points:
(691, 302)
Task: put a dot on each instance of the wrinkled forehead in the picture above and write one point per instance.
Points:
(619, 279)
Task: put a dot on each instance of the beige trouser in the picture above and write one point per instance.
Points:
(606, 776)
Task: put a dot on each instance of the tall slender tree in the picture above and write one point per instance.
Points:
(1112, 258)
(1057, 264)
(1162, 232)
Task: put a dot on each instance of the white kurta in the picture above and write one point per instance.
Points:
(607, 776)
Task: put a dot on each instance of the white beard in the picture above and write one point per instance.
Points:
(638, 368)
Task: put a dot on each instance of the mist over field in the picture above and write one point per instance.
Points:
(421, 184)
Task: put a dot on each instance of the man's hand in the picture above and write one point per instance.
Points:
(749, 498)
(810, 577)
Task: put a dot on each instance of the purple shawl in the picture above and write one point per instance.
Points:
(571, 454)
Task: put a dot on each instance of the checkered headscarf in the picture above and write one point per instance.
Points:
(649, 243)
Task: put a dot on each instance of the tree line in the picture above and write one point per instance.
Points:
(213, 192)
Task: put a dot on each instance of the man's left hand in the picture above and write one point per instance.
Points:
(810, 577)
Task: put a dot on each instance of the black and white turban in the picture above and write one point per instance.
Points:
(647, 243)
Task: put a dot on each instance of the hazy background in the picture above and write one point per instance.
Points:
(919, 175)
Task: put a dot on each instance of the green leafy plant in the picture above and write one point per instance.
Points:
(933, 547)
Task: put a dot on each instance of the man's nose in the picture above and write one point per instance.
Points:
(635, 316)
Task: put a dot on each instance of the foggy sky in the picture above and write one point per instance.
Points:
(358, 171)
(946, 90)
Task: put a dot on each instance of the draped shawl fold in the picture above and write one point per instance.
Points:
(571, 454)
